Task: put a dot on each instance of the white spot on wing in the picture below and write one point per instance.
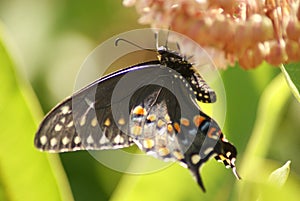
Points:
(43, 139)
(119, 139)
(94, 122)
(58, 127)
(208, 150)
(62, 120)
(195, 158)
(90, 140)
(82, 120)
(65, 140)
(65, 109)
(103, 140)
(77, 140)
(70, 124)
(53, 142)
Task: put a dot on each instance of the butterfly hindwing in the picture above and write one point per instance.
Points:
(162, 128)
(151, 124)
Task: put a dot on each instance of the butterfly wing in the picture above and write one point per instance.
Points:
(151, 125)
(85, 120)
(171, 127)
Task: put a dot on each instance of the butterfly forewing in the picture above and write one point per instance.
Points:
(84, 121)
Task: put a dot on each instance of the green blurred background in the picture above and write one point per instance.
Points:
(43, 44)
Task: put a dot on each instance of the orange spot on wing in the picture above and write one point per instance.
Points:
(184, 122)
(210, 132)
(139, 110)
(177, 127)
(198, 120)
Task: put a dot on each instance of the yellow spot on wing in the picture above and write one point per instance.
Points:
(148, 143)
(178, 155)
(170, 128)
(151, 117)
(121, 121)
(160, 123)
(163, 151)
(94, 122)
(222, 157)
(136, 130)
(167, 118)
(82, 121)
(107, 122)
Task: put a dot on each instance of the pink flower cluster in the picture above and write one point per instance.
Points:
(244, 31)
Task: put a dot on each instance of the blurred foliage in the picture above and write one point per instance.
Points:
(25, 173)
(52, 38)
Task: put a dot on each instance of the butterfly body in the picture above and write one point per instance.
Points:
(152, 104)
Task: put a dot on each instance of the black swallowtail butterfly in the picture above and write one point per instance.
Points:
(161, 116)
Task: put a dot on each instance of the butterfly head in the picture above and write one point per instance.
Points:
(170, 58)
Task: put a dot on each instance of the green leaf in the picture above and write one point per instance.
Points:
(25, 173)
(291, 72)
(269, 115)
(279, 176)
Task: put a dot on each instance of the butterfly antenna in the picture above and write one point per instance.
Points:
(178, 47)
(167, 40)
(156, 40)
(131, 43)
